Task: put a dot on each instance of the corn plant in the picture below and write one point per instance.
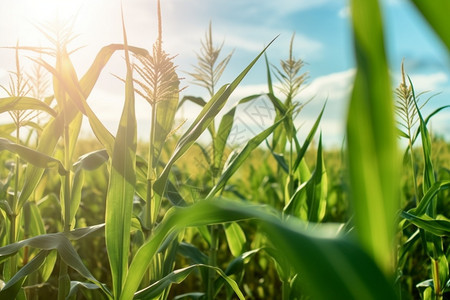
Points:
(427, 198)
(146, 217)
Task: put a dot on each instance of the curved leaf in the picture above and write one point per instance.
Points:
(203, 120)
(24, 103)
(348, 271)
(372, 138)
(31, 156)
(177, 277)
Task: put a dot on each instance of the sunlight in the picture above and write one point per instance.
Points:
(43, 12)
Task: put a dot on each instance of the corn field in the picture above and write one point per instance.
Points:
(176, 217)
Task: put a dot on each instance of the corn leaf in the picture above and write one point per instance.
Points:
(348, 271)
(240, 158)
(235, 238)
(178, 276)
(203, 120)
(91, 161)
(372, 148)
(60, 242)
(425, 222)
(12, 287)
(24, 103)
(31, 156)
(308, 140)
(436, 14)
(223, 132)
(122, 181)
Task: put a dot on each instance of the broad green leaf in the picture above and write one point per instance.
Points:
(235, 238)
(192, 253)
(425, 222)
(31, 156)
(60, 242)
(67, 80)
(10, 289)
(47, 142)
(429, 196)
(174, 220)
(54, 128)
(89, 79)
(237, 264)
(240, 158)
(372, 141)
(119, 201)
(91, 160)
(317, 190)
(203, 120)
(47, 269)
(436, 14)
(24, 103)
(178, 276)
(75, 286)
(348, 271)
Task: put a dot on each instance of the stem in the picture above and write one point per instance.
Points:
(64, 279)
(13, 217)
(212, 261)
(150, 218)
(436, 280)
(286, 289)
(413, 163)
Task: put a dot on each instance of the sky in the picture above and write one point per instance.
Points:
(322, 39)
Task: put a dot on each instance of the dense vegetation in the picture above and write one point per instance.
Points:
(171, 217)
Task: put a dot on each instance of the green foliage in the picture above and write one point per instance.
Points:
(294, 216)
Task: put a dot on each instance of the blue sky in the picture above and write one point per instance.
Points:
(322, 39)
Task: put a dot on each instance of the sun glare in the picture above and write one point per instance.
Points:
(44, 12)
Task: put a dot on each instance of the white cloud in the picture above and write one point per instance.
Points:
(429, 82)
(334, 86)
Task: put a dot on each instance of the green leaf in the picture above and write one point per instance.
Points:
(429, 196)
(240, 158)
(372, 139)
(348, 271)
(119, 201)
(203, 120)
(67, 80)
(235, 238)
(310, 199)
(31, 156)
(308, 139)
(435, 13)
(24, 103)
(425, 222)
(76, 285)
(77, 187)
(91, 161)
(178, 276)
(192, 252)
(10, 290)
(60, 242)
